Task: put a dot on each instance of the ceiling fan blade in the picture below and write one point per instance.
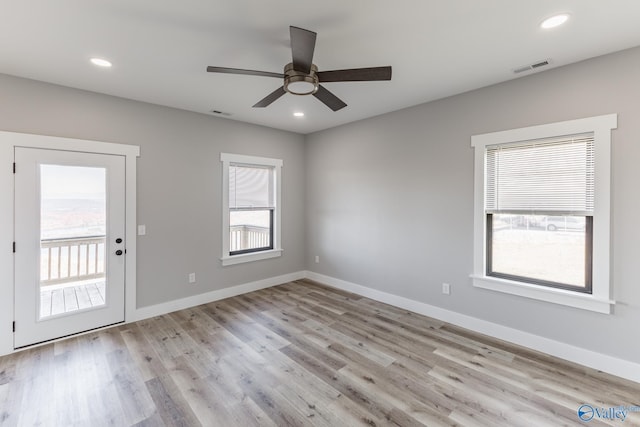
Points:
(303, 43)
(355, 75)
(241, 71)
(329, 99)
(267, 100)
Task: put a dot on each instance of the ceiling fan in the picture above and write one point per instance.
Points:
(301, 77)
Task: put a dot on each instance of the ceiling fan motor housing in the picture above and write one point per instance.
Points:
(299, 83)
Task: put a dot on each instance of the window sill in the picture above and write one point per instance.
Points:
(556, 296)
(254, 256)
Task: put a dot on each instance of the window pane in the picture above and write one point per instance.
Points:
(250, 186)
(542, 175)
(73, 201)
(250, 229)
(546, 248)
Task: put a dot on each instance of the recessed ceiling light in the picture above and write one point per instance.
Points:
(554, 21)
(101, 62)
(298, 114)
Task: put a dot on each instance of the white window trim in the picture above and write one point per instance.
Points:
(226, 160)
(600, 299)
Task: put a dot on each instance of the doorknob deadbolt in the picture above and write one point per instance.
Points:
(118, 240)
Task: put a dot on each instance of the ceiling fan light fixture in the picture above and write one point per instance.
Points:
(304, 86)
(298, 83)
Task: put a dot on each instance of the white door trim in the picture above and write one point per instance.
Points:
(8, 142)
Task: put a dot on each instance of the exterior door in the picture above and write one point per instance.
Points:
(69, 243)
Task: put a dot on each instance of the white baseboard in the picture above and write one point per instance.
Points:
(612, 365)
(181, 304)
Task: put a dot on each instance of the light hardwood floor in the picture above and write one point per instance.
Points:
(298, 354)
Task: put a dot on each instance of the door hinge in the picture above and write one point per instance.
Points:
(14, 326)
(14, 167)
(14, 247)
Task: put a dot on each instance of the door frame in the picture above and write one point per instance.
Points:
(8, 142)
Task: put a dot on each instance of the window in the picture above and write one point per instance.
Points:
(251, 208)
(542, 212)
(539, 211)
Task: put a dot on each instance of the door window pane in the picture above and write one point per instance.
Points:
(72, 238)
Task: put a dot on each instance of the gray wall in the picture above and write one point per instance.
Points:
(179, 180)
(390, 199)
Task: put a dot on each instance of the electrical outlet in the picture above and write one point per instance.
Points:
(192, 277)
(446, 288)
(317, 259)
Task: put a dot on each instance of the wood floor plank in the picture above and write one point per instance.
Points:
(377, 409)
(5, 402)
(166, 339)
(101, 394)
(277, 408)
(36, 376)
(401, 384)
(142, 353)
(135, 399)
(307, 340)
(69, 402)
(386, 341)
(359, 346)
(247, 413)
(300, 354)
(206, 403)
(154, 420)
(170, 403)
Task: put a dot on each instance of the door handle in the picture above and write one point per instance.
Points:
(119, 252)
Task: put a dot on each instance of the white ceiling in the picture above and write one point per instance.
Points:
(160, 48)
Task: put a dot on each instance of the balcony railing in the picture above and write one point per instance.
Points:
(248, 237)
(71, 260)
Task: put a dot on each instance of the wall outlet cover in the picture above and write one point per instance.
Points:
(446, 288)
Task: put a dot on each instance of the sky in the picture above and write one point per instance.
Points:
(72, 182)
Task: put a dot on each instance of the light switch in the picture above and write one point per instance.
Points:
(142, 230)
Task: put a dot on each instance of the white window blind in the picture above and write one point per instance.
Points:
(250, 187)
(542, 176)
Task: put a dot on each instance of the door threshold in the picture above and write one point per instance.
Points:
(77, 334)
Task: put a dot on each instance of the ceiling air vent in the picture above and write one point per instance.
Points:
(532, 67)
(220, 113)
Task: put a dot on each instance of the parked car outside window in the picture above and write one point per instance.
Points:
(564, 223)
